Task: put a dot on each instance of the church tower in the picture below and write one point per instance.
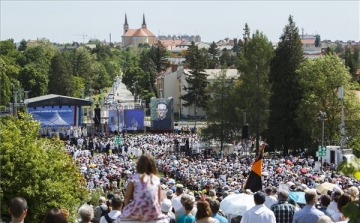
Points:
(126, 25)
(143, 26)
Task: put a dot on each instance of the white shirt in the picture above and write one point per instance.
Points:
(258, 213)
(114, 214)
(269, 201)
(176, 203)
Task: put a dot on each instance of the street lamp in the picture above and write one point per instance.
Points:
(321, 117)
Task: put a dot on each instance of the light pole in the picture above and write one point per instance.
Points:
(258, 111)
(321, 117)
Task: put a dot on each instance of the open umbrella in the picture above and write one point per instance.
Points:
(288, 162)
(297, 196)
(171, 181)
(92, 165)
(127, 172)
(237, 204)
(278, 170)
(325, 187)
(303, 170)
(185, 160)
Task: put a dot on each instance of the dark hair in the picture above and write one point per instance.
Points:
(337, 195)
(259, 198)
(343, 200)
(188, 205)
(117, 202)
(179, 190)
(17, 206)
(55, 215)
(146, 164)
(214, 205)
(204, 210)
(325, 200)
(268, 191)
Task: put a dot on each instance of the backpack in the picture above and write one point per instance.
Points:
(103, 212)
(108, 219)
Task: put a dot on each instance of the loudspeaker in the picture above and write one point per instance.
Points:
(245, 132)
(97, 116)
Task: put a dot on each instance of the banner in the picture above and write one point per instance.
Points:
(134, 119)
(161, 114)
(53, 115)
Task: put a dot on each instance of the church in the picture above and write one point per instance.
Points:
(132, 37)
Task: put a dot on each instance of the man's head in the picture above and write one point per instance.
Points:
(18, 209)
(117, 203)
(325, 200)
(179, 191)
(259, 198)
(169, 194)
(310, 197)
(283, 195)
(268, 191)
(161, 110)
(214, 205)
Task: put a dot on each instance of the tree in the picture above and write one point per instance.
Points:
(23, 45)
(146, 82)
(225, 59)
(159, 55)
(246, 35)
(317, 41)
(196, 79)
(220, 110)
(61, 80)
(33, 80)
(286, 91)
(320, 79)
(349, 60)
(339, 48)
(214, 56)
(38, 169)
(254, 92)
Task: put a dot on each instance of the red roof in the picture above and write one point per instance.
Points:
(139, 32)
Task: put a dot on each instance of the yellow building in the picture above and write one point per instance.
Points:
(133, 37)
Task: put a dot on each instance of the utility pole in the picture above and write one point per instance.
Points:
(258, 111)
(342, 125)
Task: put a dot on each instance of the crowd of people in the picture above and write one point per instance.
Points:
(190, 187)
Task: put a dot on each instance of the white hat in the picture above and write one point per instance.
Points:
(166, 205)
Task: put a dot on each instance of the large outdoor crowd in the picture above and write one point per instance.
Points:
(162, 178)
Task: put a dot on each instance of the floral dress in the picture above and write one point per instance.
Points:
(145, 203)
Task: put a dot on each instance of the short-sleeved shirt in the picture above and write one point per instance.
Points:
(184, 218)
(283, 211)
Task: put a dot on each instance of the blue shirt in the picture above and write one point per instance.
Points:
(309, 214)
(220, 218)
(184, 218)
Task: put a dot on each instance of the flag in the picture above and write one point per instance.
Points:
(254, 182)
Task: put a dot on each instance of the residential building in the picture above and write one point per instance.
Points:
(133, 37)
(172, 82)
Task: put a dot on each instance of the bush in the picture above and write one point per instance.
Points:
(38, 169)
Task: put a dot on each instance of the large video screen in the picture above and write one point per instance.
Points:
(116, 120)
(161, 113)
(134, 119)
(53, 115)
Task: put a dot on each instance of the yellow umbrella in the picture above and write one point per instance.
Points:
(325, 187)
(92, 165)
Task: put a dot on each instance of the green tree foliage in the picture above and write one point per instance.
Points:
(320, 79)
(254, 92)
(23, 45)
(214, 56)
(339, 48)
(83, 66)
(33, 80)
(61, 80)
(146, 82)
(220, 110)
(159, 55)
(196, 78)
(246, 36)
(317, 41)
(40, 170)
(349, 60)
(286, 91)
(226, 59)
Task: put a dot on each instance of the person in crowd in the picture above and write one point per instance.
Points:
(176, 200)
(259, 213)
(187, 217)
(343, 200)
(189, 199)
(101, 209)
(333, 204)
(86, 213)
(204, 213)
(353, 192)
(142, 198)
(309, 214)
(166, 209)
(269, 198)
(18, 209)
(55, 215)
(324, 202)
(169, 194)
(215, 208)
(283, 210)
(117, 204)
(293, 203)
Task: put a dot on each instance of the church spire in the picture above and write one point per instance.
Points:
(144, 23)
(126, 25)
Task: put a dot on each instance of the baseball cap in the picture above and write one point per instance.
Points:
(166, 205)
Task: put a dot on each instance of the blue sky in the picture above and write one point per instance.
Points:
(68, 21)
